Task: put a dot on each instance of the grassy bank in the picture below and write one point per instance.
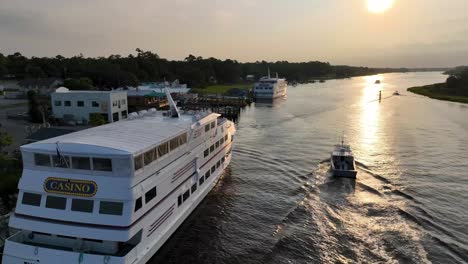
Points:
(221, 89)
(439, 92)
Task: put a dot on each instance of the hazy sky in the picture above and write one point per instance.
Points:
(413, 33)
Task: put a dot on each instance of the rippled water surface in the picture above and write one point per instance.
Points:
(276, 202)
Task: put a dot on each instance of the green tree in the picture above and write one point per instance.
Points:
(83, 83)
(96, 119)
(10, 171)
(35, 114)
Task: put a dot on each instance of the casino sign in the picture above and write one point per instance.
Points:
(70, 187)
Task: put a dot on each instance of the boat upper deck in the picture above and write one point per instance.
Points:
(342, 150)
(119, 138)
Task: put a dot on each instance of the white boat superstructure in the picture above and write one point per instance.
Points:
(270, 88)
(115, 193)
(342, 163)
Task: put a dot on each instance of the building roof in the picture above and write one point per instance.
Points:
(119, 138)
(66, 90)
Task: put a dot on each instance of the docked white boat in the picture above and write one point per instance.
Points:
(115, 193)
(268, 88)
(342, 161)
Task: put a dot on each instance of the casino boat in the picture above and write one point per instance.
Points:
(115, 193)
(268, 88)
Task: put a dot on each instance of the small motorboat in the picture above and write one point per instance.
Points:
(342, 161)
(396, 93)
(377, 81)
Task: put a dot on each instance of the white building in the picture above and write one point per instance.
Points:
(77, 106)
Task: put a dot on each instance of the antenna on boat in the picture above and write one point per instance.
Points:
(174, 112)
(61, 159)
(269, 73)
(277, 75)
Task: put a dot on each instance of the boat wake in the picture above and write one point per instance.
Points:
(364, 220)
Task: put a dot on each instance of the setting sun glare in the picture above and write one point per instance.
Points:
(379, 6)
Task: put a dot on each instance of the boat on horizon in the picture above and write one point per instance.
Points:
(342, 163)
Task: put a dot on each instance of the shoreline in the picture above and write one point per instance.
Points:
(431, 92)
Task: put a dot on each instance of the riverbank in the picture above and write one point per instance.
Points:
(439, 92)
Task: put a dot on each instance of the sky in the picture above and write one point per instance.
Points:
(412, 33)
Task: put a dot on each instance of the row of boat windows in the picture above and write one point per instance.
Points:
(80, 163)
(210, 126)
(77, 205)
(149, 195)
(261, 88)
(159, 151)
(216, 145)
(183, 197)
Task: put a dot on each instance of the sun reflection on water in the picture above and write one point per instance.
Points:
(370, 112)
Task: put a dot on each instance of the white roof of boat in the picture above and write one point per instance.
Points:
(342, 150)
(119, 138)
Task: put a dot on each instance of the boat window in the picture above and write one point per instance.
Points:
(150, 156)
(163, 149)
(223, 159)
(202, 180)
(183, 139)
(186, 195)
(207, 128)
(81, 205)
(221, 141)
(212, 148)
(93, 240)
(81, 163)
(179, 200)
(207, 174)
(57, 103)
(194, 188)
(174, 143)
(61, 161)
(213, 169)
(102, 164)
(138, 203)
(213, 124)
(80, 103)
(42, 159)
(56, 202)
(111, 208)
(67, 103)
(218, 164)
(206, 153)
(33, 199)
(217, 144)
(149, 195)
(138, 162)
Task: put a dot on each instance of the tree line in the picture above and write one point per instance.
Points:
(117, 71)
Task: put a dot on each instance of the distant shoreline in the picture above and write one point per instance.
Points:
(434, 91)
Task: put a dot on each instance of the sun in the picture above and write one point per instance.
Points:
(379, 6)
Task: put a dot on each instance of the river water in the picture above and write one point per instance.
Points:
(276, 203)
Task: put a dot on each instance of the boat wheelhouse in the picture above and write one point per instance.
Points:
(342, 163)
(115, 193)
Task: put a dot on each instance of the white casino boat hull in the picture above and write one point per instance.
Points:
(135, 205)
